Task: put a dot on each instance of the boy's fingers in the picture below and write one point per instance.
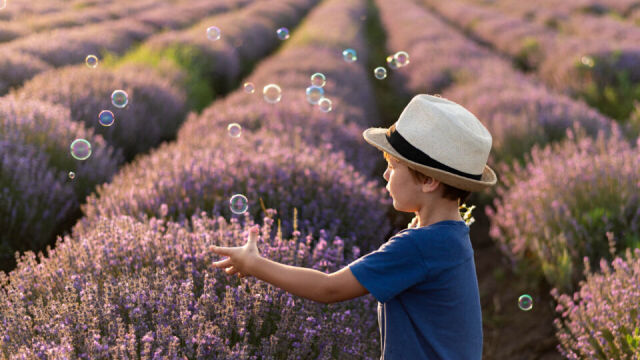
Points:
(253, 233)
(223, 263)
(219, 250)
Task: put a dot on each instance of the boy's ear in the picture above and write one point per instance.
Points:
(430, 184)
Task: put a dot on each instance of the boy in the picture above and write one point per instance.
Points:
(424, 277)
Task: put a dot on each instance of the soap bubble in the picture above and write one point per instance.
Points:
(72, 175)
(349, 55)
(587, 61)
(213, 33)
(318, 79)
(3, 4)
(239, 204)
(392, 62)
(249, 88)
(80, 149)
(106, 118)
(119, 98)
(235, 130)
(91, 61)
(314, 94)
(283, 33)
(380, 72)
(325, 105)
(525, 302)
(402, 58)
(272, 93)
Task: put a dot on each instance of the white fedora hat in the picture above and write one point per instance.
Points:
(441, 139)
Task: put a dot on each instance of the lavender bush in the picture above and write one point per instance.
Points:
(34, 200)
(155, 111)
(550, 214)
(602, 319)
(71, 46)
(11, 30)
(47, 128)
(326, 191)
(147, 290)
(16, 67)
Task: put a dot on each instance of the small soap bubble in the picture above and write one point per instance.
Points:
(349, 55)
(318, 79)
(283, 33)
(91, 61)
(402, 58)
(80, 149)
(213, 33)
(106, 118)
(380, 72)
(3, 4)
(235, 130)
(314, 94)
(119, 99)
(272, 93)
(392, 62)
(72, 175)
(325, 105)
(249, 88)
(525, 302)
(239, 204)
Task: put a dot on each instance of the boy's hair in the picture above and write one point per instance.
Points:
(448, 191)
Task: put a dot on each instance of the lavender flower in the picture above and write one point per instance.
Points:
(602, 319)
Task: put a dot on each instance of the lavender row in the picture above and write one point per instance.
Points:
(557, 208)
(518, 111)
(601, 70)
(62, 47)
(549, 12)
(602, 319)
(148, 290)
(38, 196)
(10, 30)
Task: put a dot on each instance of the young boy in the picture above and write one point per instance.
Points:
(424, 277)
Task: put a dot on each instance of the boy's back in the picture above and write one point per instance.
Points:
(425, 282)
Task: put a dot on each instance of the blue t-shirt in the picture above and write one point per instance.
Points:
(428, 301)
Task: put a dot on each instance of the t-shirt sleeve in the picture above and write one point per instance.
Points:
(393, 268)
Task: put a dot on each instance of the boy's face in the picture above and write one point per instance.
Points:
(404, 190)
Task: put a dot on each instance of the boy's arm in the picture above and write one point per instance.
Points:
(307, 283)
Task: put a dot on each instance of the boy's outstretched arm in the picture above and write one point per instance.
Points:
(307, 283)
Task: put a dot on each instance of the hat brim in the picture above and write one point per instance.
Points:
(377, 137)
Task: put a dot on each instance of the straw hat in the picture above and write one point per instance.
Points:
(440, 139)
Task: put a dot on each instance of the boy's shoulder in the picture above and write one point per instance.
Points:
(445, 239)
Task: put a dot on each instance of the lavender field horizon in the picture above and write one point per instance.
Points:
(134, 135)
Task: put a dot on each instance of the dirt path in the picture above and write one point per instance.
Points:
(510, 333)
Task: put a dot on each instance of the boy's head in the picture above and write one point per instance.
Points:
(447, 192)
(437, 139)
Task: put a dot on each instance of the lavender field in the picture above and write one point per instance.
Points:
(136, 134)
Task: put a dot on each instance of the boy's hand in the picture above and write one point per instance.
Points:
(239, 257)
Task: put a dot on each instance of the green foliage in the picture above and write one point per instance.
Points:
(186, 58)
(529, 53)
(608, 89)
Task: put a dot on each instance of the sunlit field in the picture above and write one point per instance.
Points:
(136, 134)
